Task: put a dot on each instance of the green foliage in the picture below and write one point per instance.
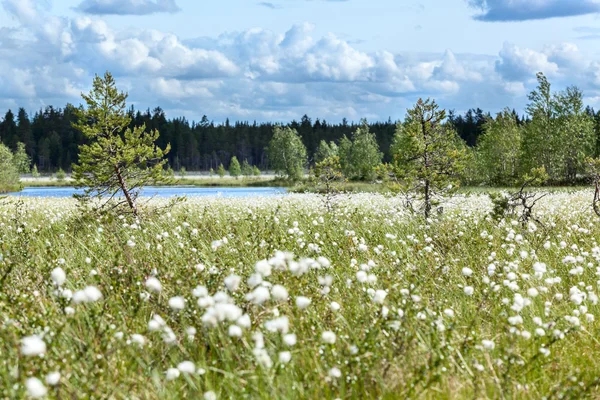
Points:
(560, 135)
(182, 172)
(429, 157)
(246, 168)
(61, 175)
(360, 156)
(234, 167)
(325, 150)
(9, 175)
(34, 171)
(21, 160)
(221, 171)
(117, 160)
(211, 172)
(287, 153)
(498, 151)
(255, 171)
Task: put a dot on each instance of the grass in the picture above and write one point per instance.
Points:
(422, 309)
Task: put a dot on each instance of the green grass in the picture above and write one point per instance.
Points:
(405, 345)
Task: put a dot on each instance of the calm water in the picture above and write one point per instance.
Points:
(162, 191)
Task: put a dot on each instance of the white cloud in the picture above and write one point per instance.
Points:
(516, 64)
(261, 74)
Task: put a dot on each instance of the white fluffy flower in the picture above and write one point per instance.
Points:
(335, 373)
(90, 294)
(302, 302)
(328, 337)
(285, 357)
(232, 282)
(32, 346)
(153, 285)
(53, 378)
(58, 275)
(279, 293)
(467, 271)
(290, 339)
(172, 374)
(35, 388)
(468, 290)
(187, 367)
(488, 344)
(177, 303)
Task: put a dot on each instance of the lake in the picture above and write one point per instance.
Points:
(166, 191)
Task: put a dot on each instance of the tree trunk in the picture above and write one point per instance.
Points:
(427, 199)
(123, 185)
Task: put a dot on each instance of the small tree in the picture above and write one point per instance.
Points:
(117, 160)
(221, 171)
(328, 175)
(246, 168)
(211, 172)
(593, 167)
(428, 154)
(325, 150)
(34, 171)
(182, 172)
(21, 160)
(287, 153)
(360, 157)
(234, 167)
(61, 175)
(9, 176)
(524, 199)
(255, 171)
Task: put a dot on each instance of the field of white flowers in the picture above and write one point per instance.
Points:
(283, 298)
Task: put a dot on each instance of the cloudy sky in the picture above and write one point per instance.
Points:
(279, 59)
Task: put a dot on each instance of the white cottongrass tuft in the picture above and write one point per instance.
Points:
(35, 388)
(302, 302)
(53, 378)
(177, 303)
(58, 276)
(172, 374)
(468, 290)
(279, 293)
(186, 367)
(32, 346)
(153, 285)
(328, 337)
(90, 294)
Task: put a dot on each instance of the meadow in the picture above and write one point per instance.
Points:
(289, 298)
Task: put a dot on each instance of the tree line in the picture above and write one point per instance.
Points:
(558, 132)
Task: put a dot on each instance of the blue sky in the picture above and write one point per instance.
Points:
(279, 59)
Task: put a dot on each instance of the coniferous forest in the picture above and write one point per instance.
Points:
(503, 145)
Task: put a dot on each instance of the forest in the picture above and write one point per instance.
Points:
(556, 130)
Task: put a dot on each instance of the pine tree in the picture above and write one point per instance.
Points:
(428, 155)
(117, 160)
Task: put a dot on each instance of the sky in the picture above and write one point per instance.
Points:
(276, 60)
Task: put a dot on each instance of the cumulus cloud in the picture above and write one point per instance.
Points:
(127, 7)
(523, 10)
(517, 64)
(259, 74)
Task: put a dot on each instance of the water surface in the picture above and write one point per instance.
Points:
(167, 191)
